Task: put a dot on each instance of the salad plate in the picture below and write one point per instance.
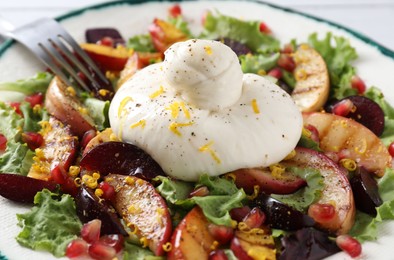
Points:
(375, 64)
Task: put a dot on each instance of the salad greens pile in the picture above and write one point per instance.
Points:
(52, 223)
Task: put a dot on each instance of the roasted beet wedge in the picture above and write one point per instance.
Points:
(90, 207)
(21, 188)
(94, 35)
(236, 46)
(363, 110)
(120, 158)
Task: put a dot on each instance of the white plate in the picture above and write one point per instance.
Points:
(375, 65)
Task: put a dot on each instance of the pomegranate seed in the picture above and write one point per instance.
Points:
(276, 73)
(106, 41)
(175, 10)
(264, 28)
(35, 99)
(33, 140)
(222, 234)
(349, 244)
(115, 241)
(199, 192)
(286, 62)
(255, 218)
(90, 231)
(87, 136)
(109, 192)
(288, 48)
(99, 250)
(218, 255)
(3, 143)
(59, 174)
(343, 108)
(82, 77)
(16, 107)
(77, 248)
(238, 214)
(358, 84)
(391, 148)
(314, 133)
(322, 212)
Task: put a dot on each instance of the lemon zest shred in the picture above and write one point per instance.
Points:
(255, 106)
(207, 148)
(140, 123)
(174, 127)
(157, 93)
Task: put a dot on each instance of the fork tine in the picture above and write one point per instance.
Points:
(54, 51)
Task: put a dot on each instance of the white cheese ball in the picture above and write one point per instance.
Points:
(189, 133)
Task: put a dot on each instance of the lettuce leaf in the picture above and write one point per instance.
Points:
(366, 227)
(98, 110)
(181, 24)
(134, 252)
(50, 225)
(38, 83)
(141, 43)
(304, 197)
(246, 32)
(259, 62)
(338, 58)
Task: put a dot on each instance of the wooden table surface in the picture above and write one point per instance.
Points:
(374, 18)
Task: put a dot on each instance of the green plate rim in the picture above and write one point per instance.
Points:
(382, 49)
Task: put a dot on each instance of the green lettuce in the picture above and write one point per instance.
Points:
(50, 225)
(223, 196)
(98, 110)
(134, 252)
(366, 227)
(305, 196)
(259, 62)
(38, 83)
(338, 58)
(141, 43)
(246, 32)
(180, 24)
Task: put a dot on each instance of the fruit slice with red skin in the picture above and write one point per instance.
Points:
(102, 137)
(121, 158)
(337, 190)
(164, 34)
(253, 244)
(340, 134)
(65, 106)
(312, 79)
(21, 188)
(90, 207)
(286, 183)
(191, 239)
(142, 207)
(60, 148)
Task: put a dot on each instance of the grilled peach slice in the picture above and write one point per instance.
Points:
(355, 141)
(336, 192)
(312, 79)
(61, 102)
(105, 136)
(191, 239)
(143, 209)
(60, 148)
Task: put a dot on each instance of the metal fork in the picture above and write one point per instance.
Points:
(53, 45)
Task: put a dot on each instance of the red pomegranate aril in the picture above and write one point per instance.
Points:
(218, 255)
(263, 27)
(349, 245)
(90, 231)
(175, 10)
(59, 175)
(33, 140)
(238, 214)
(286, 62)
(199, 192)
(77, 248)
(222, 234)
(3, 143)
(358, 84)
(87, 137)
(288, 48)
(255, 218)
(109, 192)
(106, 41)
(35, 99)
(343, 108)
(276, 73)
(391, 149)
(322, 212)
(101, 251)
(16, 107)
(115, 241)
(314, 133)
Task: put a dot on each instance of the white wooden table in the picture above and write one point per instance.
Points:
(373, 18)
